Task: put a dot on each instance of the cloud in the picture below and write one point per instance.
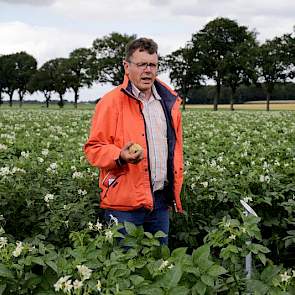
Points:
(160, 2)
(109, 11)
(43, 43)
(30, 2)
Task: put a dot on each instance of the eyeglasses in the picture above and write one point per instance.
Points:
(144, 65)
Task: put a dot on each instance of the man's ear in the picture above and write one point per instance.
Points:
(126, 66)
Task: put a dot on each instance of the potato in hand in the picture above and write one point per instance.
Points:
(134, 148)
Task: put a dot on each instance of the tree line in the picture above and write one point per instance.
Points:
(223, 51)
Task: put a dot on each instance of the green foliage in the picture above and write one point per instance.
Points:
(273, 64)
(79, 68)
(221, 50)
(98, 261)
(228, 157)
(110, 53)
(46, 185)
(184, 74)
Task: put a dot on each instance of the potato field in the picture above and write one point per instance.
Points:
(53, 239)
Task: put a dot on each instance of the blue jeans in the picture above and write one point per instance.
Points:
(152, 221)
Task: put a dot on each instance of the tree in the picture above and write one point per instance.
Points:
(213, 45)
(240, 67)
(43, 80)
(110, 52)
(2, 78)
(289, 40)
(25, 68)
(79, 67)
(184, 74)
(272, 65)
(60, 77)
(9, 79)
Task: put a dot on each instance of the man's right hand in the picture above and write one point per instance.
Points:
(132, 158)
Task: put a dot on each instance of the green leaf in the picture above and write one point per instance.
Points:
(269, 272)
(149, 235)
(38, 260)
(216, 270)
(165, 252)
(32, 280)
(171, 278)
(201, 257)
(199, 288)
(257, 286)
(130, 228)
(192, 270)
(262, 258)
(179, 252)
(140, 263)
(136, 280)
(201, 252)
(178, 290)
(256, 248)
(160, 234)
(208, 280)
(150, 291)
(5, 272)
(2, 289)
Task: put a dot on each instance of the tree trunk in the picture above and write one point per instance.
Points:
(76, 97)
(47, 98)
(217, 97)
(10, 98)
(183, 104)
(21, 97)
(183, 100)
(233, 93)
(1, 98)
(267, 101)
(61, 102)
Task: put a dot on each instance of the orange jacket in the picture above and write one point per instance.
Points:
(118, 119)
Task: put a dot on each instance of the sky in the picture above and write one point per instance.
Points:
(49, 29)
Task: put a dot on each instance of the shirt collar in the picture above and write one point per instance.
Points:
(139, 95)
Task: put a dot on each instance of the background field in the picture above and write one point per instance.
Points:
(257, 105)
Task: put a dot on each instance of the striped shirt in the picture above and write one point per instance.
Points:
(156, 136)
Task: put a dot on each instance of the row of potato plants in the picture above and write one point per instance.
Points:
(48, 190)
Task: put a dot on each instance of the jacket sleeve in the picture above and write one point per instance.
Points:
(100, 149)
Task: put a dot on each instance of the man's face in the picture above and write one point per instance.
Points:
(141, 69)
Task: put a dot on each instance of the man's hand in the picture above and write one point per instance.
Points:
(130, 157)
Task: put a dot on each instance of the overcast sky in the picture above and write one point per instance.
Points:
(53, 28)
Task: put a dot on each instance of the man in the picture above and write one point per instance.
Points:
(139, 182)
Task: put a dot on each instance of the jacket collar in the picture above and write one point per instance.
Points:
(164, 91)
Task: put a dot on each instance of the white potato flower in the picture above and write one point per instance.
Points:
(109, 235)
(77, 284)
(285, 277)
(18, 250)
(48, 197)
(45, 152)
(98, 286)
(3, 242)
(84, 272)
(77, 174)
(164, 264)
(59, 285)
